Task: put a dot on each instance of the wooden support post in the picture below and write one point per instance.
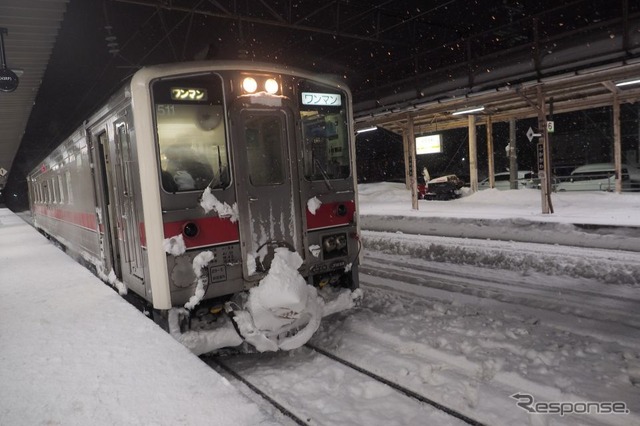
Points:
(407, 166)
(617, 149)
(492, 178)
(412, 161)
(473, 154)
(545, 173)
(513, 159)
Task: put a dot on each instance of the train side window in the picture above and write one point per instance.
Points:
(47, 193)
(191, 133)
(52, 188)
(61, 189)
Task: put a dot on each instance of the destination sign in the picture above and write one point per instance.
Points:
(188, 94)
(321, 99)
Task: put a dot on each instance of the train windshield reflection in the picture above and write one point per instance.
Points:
(325, 140)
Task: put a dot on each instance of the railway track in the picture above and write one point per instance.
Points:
(298, 416)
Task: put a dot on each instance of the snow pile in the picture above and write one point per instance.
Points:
(252, 265)
(111, 278)
(604, 265)
(203, 341)
(119, 285)
(174, 245)
(313, 204)
(393, 200)
(209, 202)
(314, 249)
(339, 299)
(282, 302)
(199, 263)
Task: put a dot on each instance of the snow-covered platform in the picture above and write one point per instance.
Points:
(584, 219)
(72, 351)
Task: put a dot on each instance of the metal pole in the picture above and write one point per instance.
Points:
(3, 31)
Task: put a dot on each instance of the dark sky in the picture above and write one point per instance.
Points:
(398, 39)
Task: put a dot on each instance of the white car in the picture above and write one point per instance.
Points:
(502, 180)
(594, 177)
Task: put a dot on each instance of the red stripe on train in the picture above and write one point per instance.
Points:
(81, 219)
(327, 215)
(211, 231)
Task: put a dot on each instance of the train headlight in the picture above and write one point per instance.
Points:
(271, 86)
(249, 84)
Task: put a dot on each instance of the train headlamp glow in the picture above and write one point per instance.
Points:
(249, 84)
(271, 86)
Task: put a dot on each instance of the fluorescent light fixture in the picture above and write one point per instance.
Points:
(627, 83)
(468, 111)
(367, 129)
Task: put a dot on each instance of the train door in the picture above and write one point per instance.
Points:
(127, 216)
(267, 192)
(103, 181)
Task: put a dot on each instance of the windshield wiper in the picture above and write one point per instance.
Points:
(324, 174)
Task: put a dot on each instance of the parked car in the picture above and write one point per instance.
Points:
(441, 188)
(594, 177)
(503, 180)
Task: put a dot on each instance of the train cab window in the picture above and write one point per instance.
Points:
(191, 133)
(325, 132)
(265, 146)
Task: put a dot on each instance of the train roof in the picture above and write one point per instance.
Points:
(151, 72)
(157, 71)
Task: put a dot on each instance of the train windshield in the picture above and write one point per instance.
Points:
(191, 133)
(323, 111)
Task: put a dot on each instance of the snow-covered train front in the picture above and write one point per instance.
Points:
(223, 194)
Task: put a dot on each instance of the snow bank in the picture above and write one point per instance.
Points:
(282, 301)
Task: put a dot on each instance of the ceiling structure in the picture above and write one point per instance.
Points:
(575, 71)
(32, 27)
(401, 58)
(589, 88)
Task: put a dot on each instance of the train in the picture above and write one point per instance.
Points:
(221, 196)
